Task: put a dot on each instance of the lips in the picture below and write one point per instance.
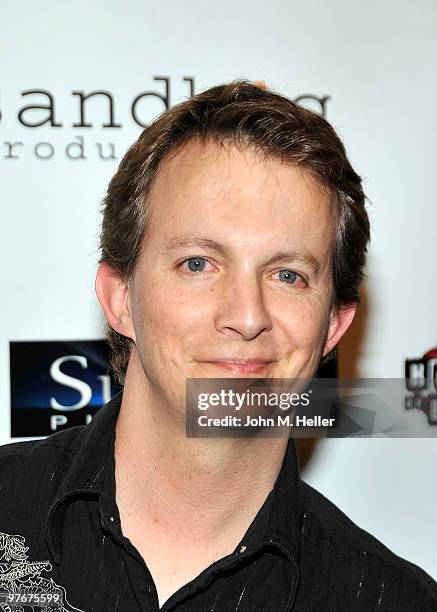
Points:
(239, 361)
(241, 366)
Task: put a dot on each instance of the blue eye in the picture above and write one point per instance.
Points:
(287, 276)
(196, 264)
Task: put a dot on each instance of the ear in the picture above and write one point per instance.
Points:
(113, 294)
(340, 320)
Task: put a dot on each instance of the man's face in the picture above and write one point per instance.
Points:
(234, 277)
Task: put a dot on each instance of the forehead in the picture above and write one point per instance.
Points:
(235, 195)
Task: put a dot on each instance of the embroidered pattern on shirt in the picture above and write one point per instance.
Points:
(21, 585)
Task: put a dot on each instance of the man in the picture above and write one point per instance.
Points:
(233, 243)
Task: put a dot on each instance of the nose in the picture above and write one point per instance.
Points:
(242, 311)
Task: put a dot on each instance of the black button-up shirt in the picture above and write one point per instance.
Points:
(60, 529)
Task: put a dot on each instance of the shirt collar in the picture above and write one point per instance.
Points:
(86, 471)
(283, 525)
(277, 523)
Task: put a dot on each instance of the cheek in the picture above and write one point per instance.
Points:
(305, 323)
(161, 314)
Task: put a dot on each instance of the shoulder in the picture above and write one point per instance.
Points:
(60, 440)
(31, 474)
(354, 551)
(30, 461)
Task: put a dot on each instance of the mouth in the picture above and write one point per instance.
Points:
(241, 366)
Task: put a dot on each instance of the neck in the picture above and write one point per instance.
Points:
(200, 487)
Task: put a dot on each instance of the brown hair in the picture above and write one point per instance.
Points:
(248, 115)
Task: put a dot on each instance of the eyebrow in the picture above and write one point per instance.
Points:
(307, 259)
(200, 242)
(203, 242)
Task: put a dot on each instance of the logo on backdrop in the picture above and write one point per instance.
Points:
(55, 385)
(25, 114)
(421, 382)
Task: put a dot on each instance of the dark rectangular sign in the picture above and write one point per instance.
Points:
(57, 384)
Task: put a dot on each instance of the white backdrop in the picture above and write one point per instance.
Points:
(375, 60)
